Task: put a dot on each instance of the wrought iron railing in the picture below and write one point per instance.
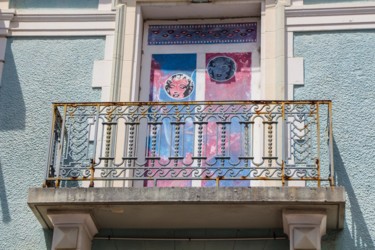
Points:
(238, 143)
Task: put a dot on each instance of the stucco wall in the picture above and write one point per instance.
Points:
(340, 66)
(29, 4)
(37, 71)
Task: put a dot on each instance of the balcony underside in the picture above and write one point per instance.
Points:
(225, 207)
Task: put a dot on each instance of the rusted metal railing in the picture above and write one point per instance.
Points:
(238, 143)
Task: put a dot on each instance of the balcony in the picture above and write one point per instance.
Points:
(236, 164)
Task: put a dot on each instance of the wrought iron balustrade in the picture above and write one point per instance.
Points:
(237, 143)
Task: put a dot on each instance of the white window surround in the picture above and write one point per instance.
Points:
(280, 70)
(321, 17)
(298, 17)
(102, 5)
(57, 23)
(36, 23)
(328, 17)
(5, 18)
(125, 84)
(63, 22)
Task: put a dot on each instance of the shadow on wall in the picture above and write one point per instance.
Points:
(12, 117)
(48, 238)
(356, 235)
(12, 104)
(3, 199)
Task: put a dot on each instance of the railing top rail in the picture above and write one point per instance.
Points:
(206, 142)
(193, 103)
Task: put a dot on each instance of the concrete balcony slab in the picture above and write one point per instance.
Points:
(224, 207)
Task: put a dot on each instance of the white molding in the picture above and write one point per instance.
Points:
(305, 228)
(328, 17)
(118, 50)
(98, 23)
(105, 5)
(322, 17)
(5, 19)
(102, 73)
(102, 70)
(295, 71)
(297, 2)
(4, 4)
(102, 78)
(72, 230)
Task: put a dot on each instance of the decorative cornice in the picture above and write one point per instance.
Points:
(330, 17)
(329, 10)
(56, 24)
(59, 17)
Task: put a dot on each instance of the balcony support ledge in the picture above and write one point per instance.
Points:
(72, 230)
(305, 228)
(174, 208)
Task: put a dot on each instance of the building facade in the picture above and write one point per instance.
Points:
(186, 124)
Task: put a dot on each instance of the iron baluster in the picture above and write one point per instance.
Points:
(284, 143)
(226, 145)
(60, 148)
(330, 147)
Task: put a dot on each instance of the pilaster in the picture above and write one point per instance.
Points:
(125, 57)
(273, 54)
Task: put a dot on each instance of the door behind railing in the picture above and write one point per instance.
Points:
(182, 144)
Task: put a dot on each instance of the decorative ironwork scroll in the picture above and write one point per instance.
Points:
(193, 143)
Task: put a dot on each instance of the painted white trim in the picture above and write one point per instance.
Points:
(5, 18)
(295, 71)
(322, 17)
(93, 23)
(296, 2)
(117, 62)
(64, 23)
(105, 5)
(102, 74)
(4, 4)
(68, 23)
(72, 230)
(325, 17)
(304, 228)
(102, 71)
(138, 46)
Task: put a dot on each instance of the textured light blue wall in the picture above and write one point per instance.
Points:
(340, 66)
(29, 4)
(191, 245)
(334, 1)
(36, 73)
